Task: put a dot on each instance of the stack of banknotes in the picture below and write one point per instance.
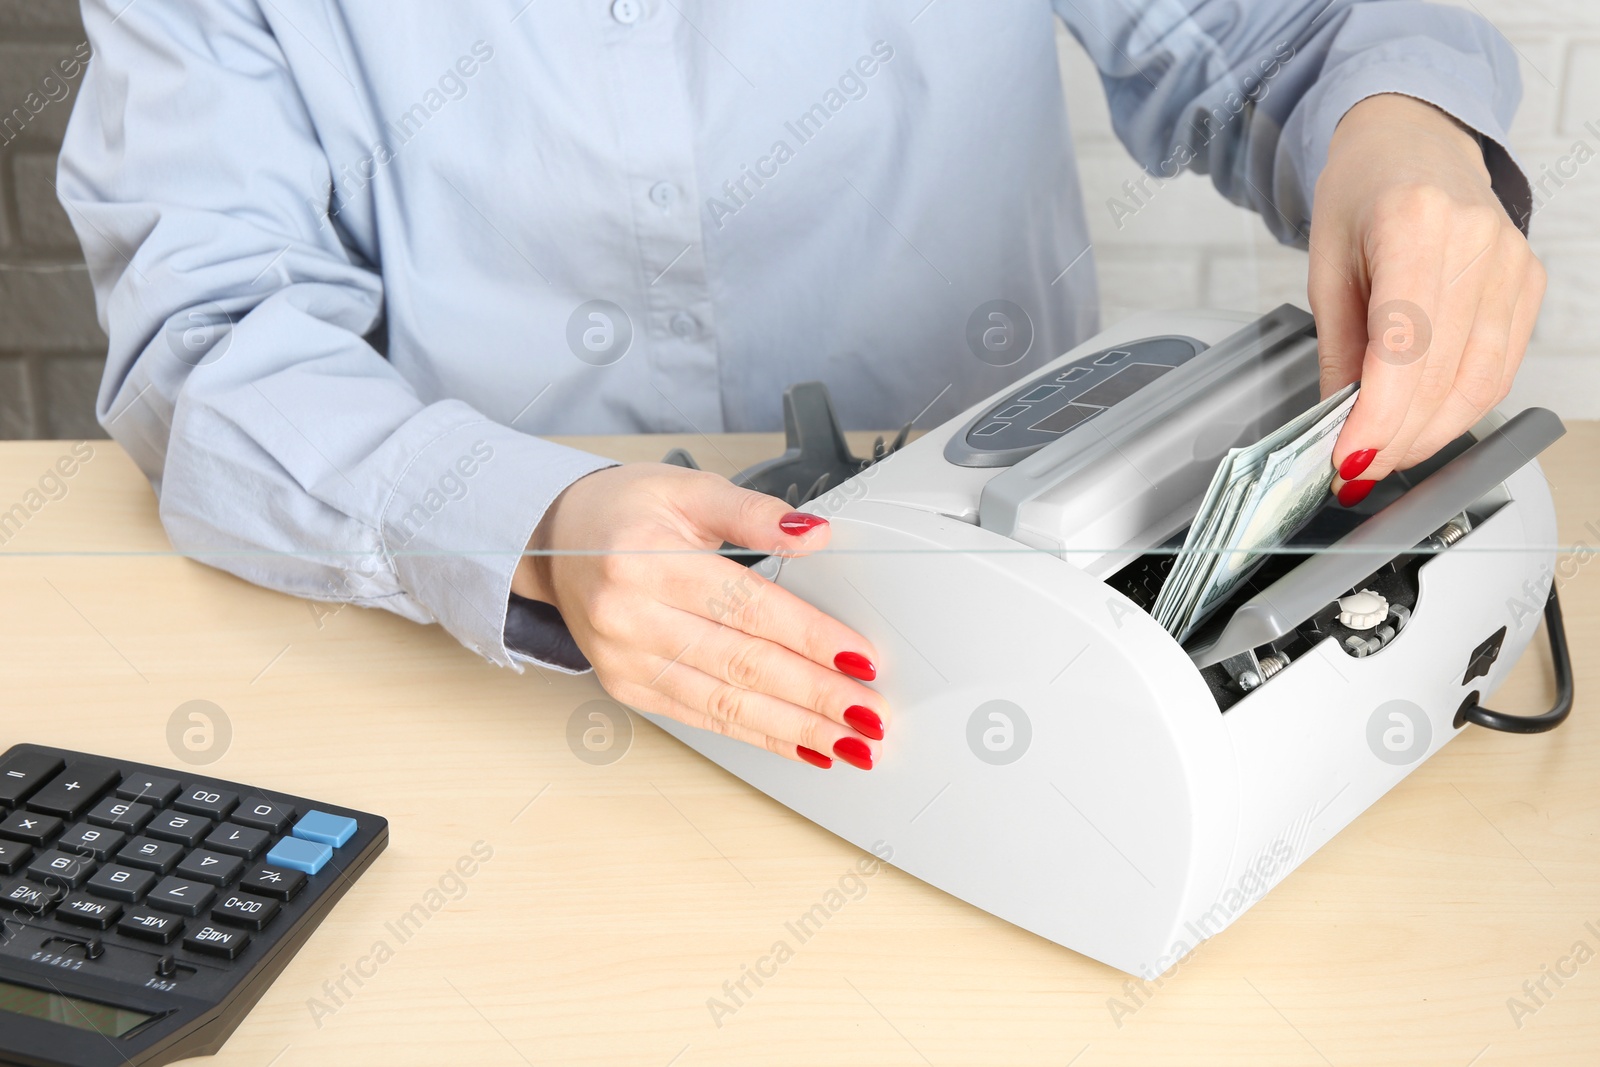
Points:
(1260, 496)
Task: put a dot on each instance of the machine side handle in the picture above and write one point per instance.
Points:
(1005, 494)
(1291, 600)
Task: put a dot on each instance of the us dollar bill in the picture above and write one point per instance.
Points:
(1260, 497)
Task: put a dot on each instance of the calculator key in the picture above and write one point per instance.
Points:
(246, 841)
(23, 773)
(299, 855)
(270, 815)
(64, 868)
(29, 826)
(74, 789)
(30, 896)
(152, 855)
(93, 841)
(212, 867)
(87, 911)
(332, 830)
(128, 815)
(13, 854)
(217, 942)
(151, 925)
(121, 883)
(203, 800)
(280, 882)
(246, 910)
(149, 789)
(185, 898)
(176, 826)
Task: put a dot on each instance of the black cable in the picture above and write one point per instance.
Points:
(1561, 660)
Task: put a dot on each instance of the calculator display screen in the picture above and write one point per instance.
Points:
(70, 1011)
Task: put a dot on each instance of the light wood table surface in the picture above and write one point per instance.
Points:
(620, 898)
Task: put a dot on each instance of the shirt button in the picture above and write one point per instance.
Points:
(663, 195)
(684, 325)
(627, 12)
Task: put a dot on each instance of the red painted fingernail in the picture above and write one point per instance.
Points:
(854, 751)
(1356, 462)
(798, 522)
(813, 757)
(856, 665)
(1353, 493)
(865, 720)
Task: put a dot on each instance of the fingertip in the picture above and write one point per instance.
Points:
(856, 664)
(1355, 463)
(813, 757)
(1352, 493)
(856, 752)
(864, 721)
(799, 523)
(801, 533)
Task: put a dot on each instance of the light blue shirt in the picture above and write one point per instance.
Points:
(354, 257)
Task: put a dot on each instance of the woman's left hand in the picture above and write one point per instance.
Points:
(1421, 285)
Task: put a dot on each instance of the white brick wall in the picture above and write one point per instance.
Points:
(1189, 247)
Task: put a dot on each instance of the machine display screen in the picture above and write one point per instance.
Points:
(1045, 407)
(69, 1011)
(1121, 385)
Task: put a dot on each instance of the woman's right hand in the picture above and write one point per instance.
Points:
(628, 555)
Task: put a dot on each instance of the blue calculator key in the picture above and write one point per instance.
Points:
(332, 830)
(298, 854)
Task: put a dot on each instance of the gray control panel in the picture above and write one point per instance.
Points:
(1063, 398)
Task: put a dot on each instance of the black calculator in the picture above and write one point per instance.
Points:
(144, 911)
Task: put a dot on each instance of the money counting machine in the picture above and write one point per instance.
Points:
(1060, 760)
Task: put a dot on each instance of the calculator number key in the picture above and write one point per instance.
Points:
(121, 883)
(246, 841)
(264, 814)
(246, 910)
(185, 898)
(152, 855)
(187, 830)
(92, 841)
(128, 815)
(60, 868)
(212, 803)
(213, 867)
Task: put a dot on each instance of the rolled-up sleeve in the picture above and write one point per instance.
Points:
(240, 377)
(1249, 91)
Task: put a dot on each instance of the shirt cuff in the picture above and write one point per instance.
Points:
(1434, 79)
(459, 519)
(536, 633)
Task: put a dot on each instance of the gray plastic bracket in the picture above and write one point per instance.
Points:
(1099, 439)
(1274, 612)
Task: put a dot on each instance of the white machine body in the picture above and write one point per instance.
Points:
(1055, 757)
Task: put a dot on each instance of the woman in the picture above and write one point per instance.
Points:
(352, 258)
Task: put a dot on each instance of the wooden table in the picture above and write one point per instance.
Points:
(620, 898)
